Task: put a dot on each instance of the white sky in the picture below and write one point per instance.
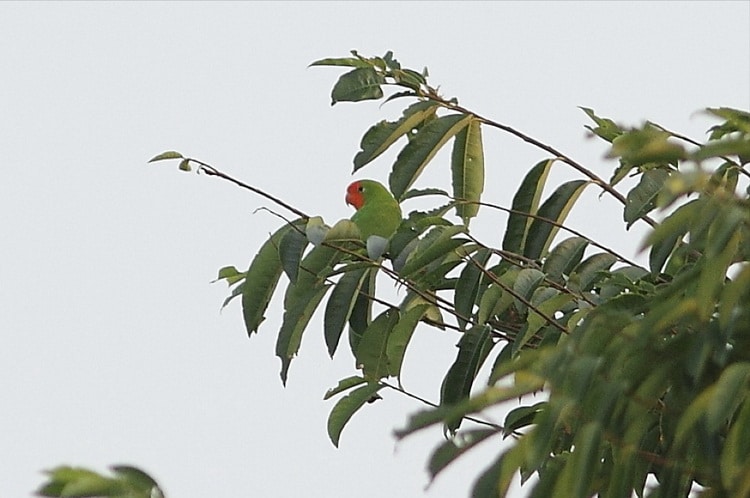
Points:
(114, 349)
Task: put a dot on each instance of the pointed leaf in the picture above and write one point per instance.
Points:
(521, 417)
(371, 351)
(423, 192)
(261, 279)
(342, 61)
(467, 286)
(450, 450)
(383, 134)
(535, 321)
(438, 243)
(421, 149)
(340, 305)
(564, 258)
(231, 274)
(300, 301)
(526, 200)
(401, 335)
(734, 457)
(473, 349)
(361, 314)
(344, 385)
(346, 407)
(646, 145)
(525, 284)
(291, 248)
(362, 83)
(606, 128)
(296, 317)
(496, 300)
(589, 271)
(495, 480)
(555, 208)
(579, 473)
(728, 393)
(170, 154)
(467, 166)
(641, 199)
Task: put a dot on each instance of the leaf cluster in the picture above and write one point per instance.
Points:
(644, 370)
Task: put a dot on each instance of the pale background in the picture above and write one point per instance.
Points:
(114, 350)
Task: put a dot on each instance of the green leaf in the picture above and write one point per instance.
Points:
(340, 306)
(170, 154)
(495, 299)
(231, 274)
(734, 295)
(467, 286)
(438, 243)
(495, 480)
(564, 258)
(411, 194)
(525, 284)
(661, 251)
(421, 149)
(728, 147)
(734, 457)
(346, 407)
(298, 313)
(401, 335)
(555, 208)
(361, 314)
(300, 301)
(729, 392)
(676, 224)
(579, 473)
(137, 480)
(261, 279)
(526, 200)
(521, 417)
(467, 166)
(535, 321)
(592, 269)
(362, 83)
(385, 133)
(450, 450)
(342, 61)
(291, 247)
(76, 482)
(605, 127)
(344, 385)
(736, 121)
(473, 349)
(647, 145)
(641, 199)
(371, 351)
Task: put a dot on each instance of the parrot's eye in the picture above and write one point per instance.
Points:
(360, 189)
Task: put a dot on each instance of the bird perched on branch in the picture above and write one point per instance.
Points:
(378, 214)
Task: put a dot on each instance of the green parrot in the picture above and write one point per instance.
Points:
(378, 214)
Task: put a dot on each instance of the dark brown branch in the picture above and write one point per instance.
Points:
(209, 170)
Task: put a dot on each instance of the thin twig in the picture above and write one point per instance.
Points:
(209, 170)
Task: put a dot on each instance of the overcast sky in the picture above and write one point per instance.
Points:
(114, 350)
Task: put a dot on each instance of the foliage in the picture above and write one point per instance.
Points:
(127, 482)
(646, 370)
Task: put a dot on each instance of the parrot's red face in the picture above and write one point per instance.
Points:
(354, 195)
